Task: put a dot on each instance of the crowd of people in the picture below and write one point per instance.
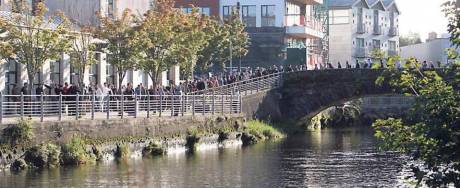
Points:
(372, 64)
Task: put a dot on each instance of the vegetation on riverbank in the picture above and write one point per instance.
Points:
(262, 130)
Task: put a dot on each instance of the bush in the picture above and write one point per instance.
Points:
(122, 151)
(43, 155)
(74, 152)
(21, 132)
(262, 130)
(154, 149)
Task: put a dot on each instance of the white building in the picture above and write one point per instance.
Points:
(359, 26)
(433, 50)
(293, 26)
(60, 71)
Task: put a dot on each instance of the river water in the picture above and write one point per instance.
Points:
(331, 158)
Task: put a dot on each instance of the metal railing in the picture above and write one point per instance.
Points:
(80, 107)
(246, 87)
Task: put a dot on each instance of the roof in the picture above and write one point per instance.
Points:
(341, 3)
(372, 2)
(387, 2)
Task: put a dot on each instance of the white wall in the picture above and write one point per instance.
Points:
(82, 10)
(431, 51)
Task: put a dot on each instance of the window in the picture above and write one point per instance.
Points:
(11, 76)
(110, 8)
(110, 72)
(227, 11)
(268, 16)
(360, 42)
(206, 11)
(376, 44)
(392, 45)
(55, 76)
(339, 17)
(249, 15)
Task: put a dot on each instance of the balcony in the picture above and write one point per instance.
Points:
(377, 30)
(361, 52)
(393, 32)
(392, 52)
(361, 28)
(303, 26)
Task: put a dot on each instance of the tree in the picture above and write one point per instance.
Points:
(430, 132)
(452, 12)
(82, 51)
(214, 53)
(121, 42)
(32, 40)
(238, 37)
(410, 39)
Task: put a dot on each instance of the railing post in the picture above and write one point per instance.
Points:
(60, 106)
(93, 104)
(231, 104)
(193, 105)
(161, 104)
(182, 103)
(241, 104)
(213, 103)
(172, 105)
(108, 106)
(148, 104)
(135, 105)
(22, 105)
(1, 107)
(222, 104)
(204, 104)
(41, 107)
(122, 105)
(77, 108)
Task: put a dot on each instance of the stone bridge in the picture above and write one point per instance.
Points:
(309, 92)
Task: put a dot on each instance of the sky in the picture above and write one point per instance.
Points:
(421, 16)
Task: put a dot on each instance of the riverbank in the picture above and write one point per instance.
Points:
(36, 148)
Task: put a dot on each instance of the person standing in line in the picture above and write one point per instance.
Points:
(339, 66)
(357, 66)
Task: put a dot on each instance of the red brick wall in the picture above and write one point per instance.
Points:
(212, 4)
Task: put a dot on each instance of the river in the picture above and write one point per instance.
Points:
(331, 158)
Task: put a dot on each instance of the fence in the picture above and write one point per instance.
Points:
(68, 107)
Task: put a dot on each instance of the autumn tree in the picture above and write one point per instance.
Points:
(82, 51)
(32, 40)
(237, 36)
(121, 44)
(215, 52)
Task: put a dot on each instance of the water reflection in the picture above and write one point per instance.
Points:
(345, 158)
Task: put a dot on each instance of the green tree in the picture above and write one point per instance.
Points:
(32, 40)
(215, 52)
(430, 132)
(238, 37)
(82, 51)
(121, 43)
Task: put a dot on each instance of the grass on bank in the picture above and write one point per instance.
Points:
(263, 130)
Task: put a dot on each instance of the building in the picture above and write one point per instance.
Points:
(207, 7)
(359, 26)
(433, 50)
(84, 11)
(282, 31)
(60, 71)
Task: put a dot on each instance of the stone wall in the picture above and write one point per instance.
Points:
(132, 127)
(263, 105)
(310, 92)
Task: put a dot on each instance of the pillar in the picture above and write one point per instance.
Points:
(3, 70)
(164, 78)
(64, 69)
(102, 68)
(174, 74)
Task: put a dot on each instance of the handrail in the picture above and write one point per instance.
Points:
(76, 107)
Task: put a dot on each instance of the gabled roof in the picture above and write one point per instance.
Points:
(377, 3)
(345, 3)
(390, 3)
